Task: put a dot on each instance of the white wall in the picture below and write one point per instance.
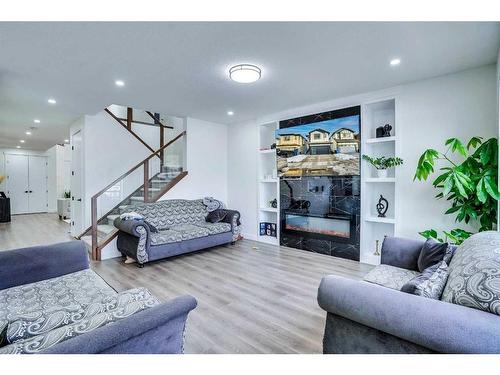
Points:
(58, 173)
(207, 162)
(427, 113)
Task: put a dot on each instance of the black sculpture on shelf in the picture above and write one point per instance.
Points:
(383, 131)
(382, 206)
(274, 203)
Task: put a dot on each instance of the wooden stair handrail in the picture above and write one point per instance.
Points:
(138, 165)
(128, 129)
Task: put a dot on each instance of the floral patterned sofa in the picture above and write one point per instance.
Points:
(51, 302)
(173, 227)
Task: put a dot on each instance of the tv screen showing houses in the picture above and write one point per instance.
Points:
(326, 148)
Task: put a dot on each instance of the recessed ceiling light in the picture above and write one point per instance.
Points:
(51, 101)
(230, 113)
(36, 121)
(395, 62)
(18, 146)
(245, 73)
(119, 82)
(21, 140)
(66, 140)
(28, 133)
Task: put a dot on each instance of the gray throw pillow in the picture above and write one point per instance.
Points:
(474, 279)
(3, 332)
(216, 216)
(432, 252)
(433, 287)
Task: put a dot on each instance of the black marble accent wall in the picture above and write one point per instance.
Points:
(323, 197)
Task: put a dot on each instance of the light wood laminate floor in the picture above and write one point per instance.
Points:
(252, 297)
(33, 229)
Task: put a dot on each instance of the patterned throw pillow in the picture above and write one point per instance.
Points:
(43, 322)
(48, 339)
(433, 287)
(474, 279)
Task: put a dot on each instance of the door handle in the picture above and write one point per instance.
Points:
(79, 199)
(26, 191)
(31, 191)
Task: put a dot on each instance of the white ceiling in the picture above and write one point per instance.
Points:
(181, 68)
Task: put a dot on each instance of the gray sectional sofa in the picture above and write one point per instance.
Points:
(376, 317)
(173, 227)
(51, 302)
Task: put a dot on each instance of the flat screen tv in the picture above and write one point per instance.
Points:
(324, 148)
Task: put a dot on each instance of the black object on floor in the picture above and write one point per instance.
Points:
(4, 208)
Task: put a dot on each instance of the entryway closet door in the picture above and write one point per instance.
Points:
(37, 184)
(17, 183)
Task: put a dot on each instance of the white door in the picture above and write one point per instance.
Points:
(38, 195)
(76, 184)
(17, 183)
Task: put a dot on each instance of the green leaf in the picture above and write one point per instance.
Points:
(474, 142)
(491, 187)
(459, 186)
(452, 210)
(481, 192)
(456, 145)
(448, 185)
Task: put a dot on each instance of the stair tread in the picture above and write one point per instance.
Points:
(106, 228)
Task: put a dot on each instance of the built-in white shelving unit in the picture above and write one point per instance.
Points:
(374, 228)
(268, 183)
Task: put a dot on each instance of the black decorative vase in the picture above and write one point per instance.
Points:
(382, 206)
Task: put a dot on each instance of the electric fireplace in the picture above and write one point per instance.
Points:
(338, 227)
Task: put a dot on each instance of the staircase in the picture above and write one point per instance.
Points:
(135, 187)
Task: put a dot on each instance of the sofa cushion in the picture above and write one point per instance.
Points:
(69, 292)
(3, 332)
(190, 231)
(432, 253)
(215, 228)
(165, 236)
(53, 337)
(474, 273)
(30, 326)
(389, 276)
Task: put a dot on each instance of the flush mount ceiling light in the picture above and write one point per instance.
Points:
(28, 133)
(36, 121)
(119, 83)
(21, 140)
(18, 146)
(245, 73)
(395, 62)
(230, 113)
(51, 101)
(66, 141)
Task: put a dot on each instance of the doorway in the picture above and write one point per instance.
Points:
(27, 183)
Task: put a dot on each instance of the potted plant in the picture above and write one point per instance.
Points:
(467, 179)
(382, 163)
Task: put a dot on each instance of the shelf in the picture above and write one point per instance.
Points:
(381, 140)
(268, 151)
(376, 219)
(269, 209)
(269, 180)
(381, 179)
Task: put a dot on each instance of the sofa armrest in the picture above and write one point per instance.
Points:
(401, 252)
(233, 217)
(32, 264)
(131, 226)
(159, 329)
(440, 326)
